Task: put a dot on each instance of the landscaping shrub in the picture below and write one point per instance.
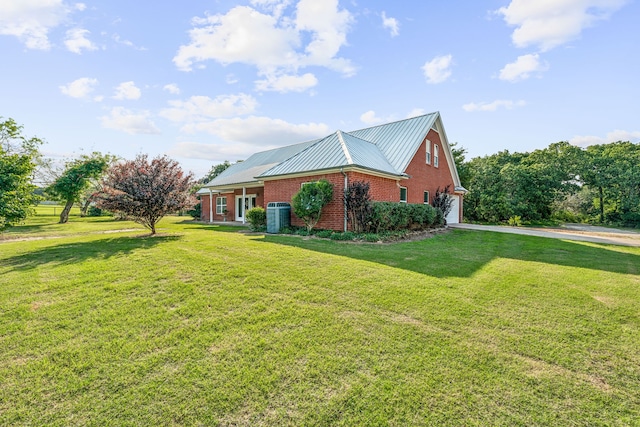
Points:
(389, 216)
(515, 221)
(371, 237)
(94, 211)
(443, 202)
(358, 203)
(195, 212)
(325, 234)
(347, 235)
(309, 201)
(257, 218)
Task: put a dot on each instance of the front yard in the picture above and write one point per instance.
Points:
(205, 325)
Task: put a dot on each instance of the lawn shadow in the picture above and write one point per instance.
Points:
(190, 224)
(69, 253)
(461, 253)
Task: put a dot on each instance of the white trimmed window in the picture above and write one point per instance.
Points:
(221, 205)
(426, 197)
(436, 152)
(428, 144)
(403, 194)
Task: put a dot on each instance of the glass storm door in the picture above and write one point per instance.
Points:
(242, 206)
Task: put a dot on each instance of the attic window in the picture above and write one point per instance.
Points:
(428, 145)
(436, 153)
(403, 194)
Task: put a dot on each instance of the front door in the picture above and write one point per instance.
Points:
(242, 206)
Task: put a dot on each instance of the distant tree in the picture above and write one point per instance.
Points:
(18, 158)
(461, 165)
(76, 178)
(146, 191)
(309, 201)
(215, 171)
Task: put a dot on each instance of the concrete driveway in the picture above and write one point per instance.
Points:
(580, 232)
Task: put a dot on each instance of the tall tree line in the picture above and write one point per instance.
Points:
(598, 184)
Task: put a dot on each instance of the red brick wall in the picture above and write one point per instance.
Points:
(380, 189)
(424, 177)
(283, 190)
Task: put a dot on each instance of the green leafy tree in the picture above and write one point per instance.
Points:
(215, 171)
(462, 167)
(309, 201)
(76, 178)
(146, 190)
(18, 159)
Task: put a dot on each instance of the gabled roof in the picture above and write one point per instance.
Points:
(386, 148)
(334, 151)
(399, 141)
(246, 171)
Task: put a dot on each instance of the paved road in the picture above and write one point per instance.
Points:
(580, 232)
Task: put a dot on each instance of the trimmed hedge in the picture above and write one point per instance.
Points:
(390, 216)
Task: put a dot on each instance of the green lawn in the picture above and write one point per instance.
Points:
(205, 325)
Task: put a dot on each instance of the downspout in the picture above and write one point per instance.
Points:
(344, 199)
(210, 205)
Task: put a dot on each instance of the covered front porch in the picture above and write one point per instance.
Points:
(228, 205)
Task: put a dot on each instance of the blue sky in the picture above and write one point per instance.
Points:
(208, 81)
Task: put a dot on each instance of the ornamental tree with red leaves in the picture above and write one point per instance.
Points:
(146, 191)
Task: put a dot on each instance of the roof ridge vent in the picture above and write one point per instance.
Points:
(345, 150)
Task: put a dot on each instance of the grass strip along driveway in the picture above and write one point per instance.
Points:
(205, 325)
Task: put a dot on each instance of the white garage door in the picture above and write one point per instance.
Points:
(454, 215)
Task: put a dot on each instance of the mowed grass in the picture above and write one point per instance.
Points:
(206, 325)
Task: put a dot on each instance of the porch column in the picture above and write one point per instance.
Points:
(244, 199)
(210, 205)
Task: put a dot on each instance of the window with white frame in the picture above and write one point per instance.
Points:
(221, 205)
(403, 194)
(428, 145)
(436, 152)
(426, 197)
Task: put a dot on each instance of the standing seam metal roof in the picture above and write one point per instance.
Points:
(386, 148)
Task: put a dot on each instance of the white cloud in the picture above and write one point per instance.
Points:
(116, 38)
(275, 45)
(276, 7)
(30, 21)
(391, 24)
(79, 88)
(523, 67)
(493, 106)
(416, 112)
(242, 35)
(262, 131)
(287, 83)
(80, 6)
(328, 27)
(127, 90)
(614, 136)
(203, 108)
(231, 79)
(76, 40)
(547, 24)
(438, 70)
(172, 88)
(130, 122)
(214, 152)
(370, 118)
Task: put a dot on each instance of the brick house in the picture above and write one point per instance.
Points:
(404, 162)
